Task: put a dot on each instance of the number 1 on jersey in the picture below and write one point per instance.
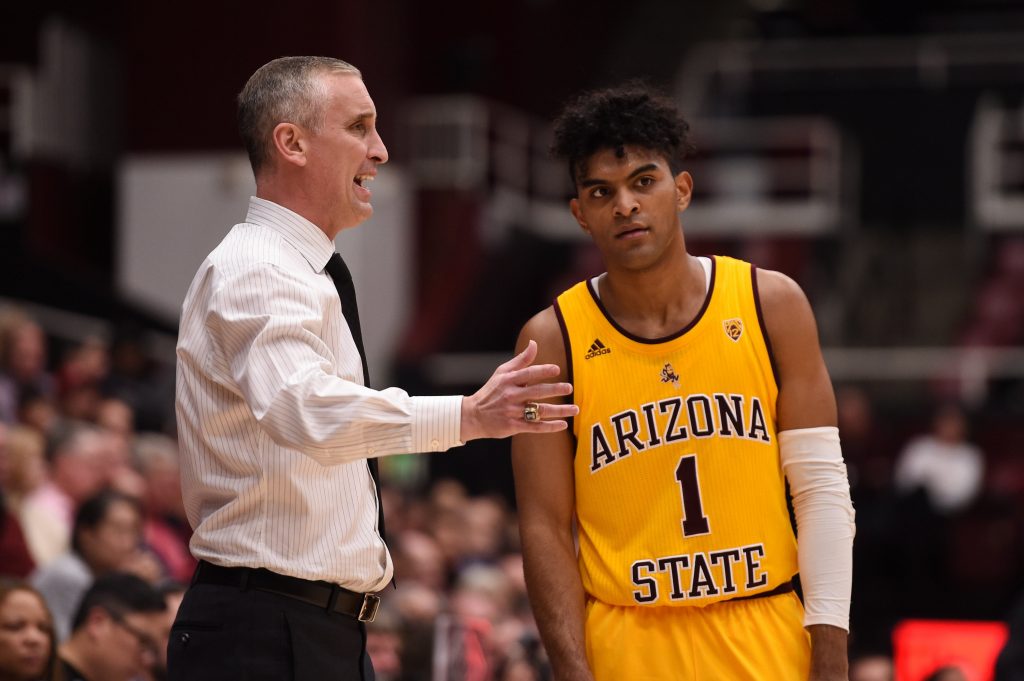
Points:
(694, 520)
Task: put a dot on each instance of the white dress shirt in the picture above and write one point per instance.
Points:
(274, 422)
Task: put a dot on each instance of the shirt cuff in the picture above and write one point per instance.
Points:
(436, 423)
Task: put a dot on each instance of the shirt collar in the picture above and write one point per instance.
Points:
(308, 239)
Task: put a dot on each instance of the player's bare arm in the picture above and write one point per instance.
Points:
(543, 467)
(806, 400)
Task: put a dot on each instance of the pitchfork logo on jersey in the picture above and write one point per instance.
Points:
(733, 328)
(669, 375)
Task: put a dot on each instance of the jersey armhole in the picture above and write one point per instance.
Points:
(568, 365)
(764, 327)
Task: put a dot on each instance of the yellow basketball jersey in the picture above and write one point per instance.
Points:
(680, 495)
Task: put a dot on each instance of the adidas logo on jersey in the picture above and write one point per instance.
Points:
(596, 348)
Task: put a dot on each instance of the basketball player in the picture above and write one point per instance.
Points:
(702, 390)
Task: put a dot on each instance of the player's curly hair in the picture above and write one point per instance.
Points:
(613, 118)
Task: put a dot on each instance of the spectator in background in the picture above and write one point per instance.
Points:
(15, 560)
(448, 527)
(38, 411)
(107, 537)
(115, 420)
(485, 524)
(23, 357)
(26, 453)
(872, 668)
(27, 646)
(172, 593)
(482, 593)
(139, 381)
(115, 416)
(80, 377)
(1010, 663)
(419, 559)
(116, 631)
(166, 530)
(865, 445)
(77, 471)
(384, 646)
(948, 468)
(947, 674)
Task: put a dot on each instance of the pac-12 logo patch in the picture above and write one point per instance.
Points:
(733, 328)
(669, 375)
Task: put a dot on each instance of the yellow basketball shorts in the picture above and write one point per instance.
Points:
(759, 639)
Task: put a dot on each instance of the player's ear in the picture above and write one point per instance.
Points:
(684, 190)
(574, 207)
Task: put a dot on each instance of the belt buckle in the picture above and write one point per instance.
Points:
(368, 610)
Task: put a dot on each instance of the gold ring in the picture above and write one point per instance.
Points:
(531, 411)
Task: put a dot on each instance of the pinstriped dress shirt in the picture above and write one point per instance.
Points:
(274, 422)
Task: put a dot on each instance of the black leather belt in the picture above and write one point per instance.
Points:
(325, 595)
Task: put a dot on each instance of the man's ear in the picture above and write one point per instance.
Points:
(574, 208)
(291, 143)
(96, 620)
(684, 190)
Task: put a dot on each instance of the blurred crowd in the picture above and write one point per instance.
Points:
(90, 488)
(94, 539)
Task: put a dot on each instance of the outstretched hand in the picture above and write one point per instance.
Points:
(496, 410)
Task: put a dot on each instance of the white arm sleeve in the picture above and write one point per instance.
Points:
(813, 463)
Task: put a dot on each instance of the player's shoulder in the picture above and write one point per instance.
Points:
(778, 295)
(545, 328)
(786, 311)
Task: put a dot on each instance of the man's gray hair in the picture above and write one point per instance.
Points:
(286, 90)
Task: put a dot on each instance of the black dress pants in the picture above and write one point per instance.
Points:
(223, 633)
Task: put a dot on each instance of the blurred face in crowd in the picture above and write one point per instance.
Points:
(385, 650)
(485, 527)
(163, 483)
(26, 452)
(871, 668)
(113, 543)
(26, 636)
(417, 604)
(950, 425)
(854, 412)
(82, 470)
(38, 412)
(27, 354)
(482, 593)
(116, 417)
(119, 472)
(421, 559)
(121, 646)
(88, 363)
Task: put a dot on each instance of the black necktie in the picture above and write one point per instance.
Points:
(338, 270)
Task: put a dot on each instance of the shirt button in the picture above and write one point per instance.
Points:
(435, 445)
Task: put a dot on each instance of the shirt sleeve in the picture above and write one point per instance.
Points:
(267, 326)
